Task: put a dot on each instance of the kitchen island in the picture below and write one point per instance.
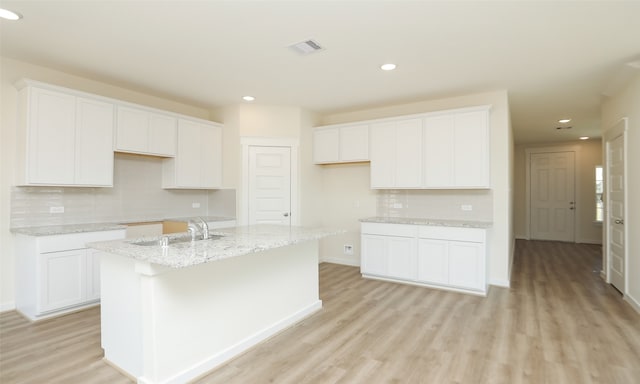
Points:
(170, 314)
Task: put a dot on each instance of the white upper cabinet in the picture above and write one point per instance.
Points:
(437, 150)
(198, 161)
(145, 132)
(456, 150)
(63, 138)
(94, 137)
(326, 145)
(396, 154)
(341, 144)
(471, 162)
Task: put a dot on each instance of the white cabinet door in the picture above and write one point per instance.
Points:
(211, 157)
(162, 134)
(188, 158)
(62, 279)
(146, 132)
(396, 154)
(456, 150)
(374, 255)
(354, 143)
(341, 144)
(433, 261)
(198, 161)
(132, 133)
(438, 151)
(471, 161)
(408, 167)
(93, 274)
(51, 138)
(326, 145)
(466, 265)
(401, 257)
(94, 148)
(383, 155)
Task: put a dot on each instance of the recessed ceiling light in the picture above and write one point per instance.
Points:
(9, 15)
(388, 67)
(248, 98)
(564, 121)
(584, 137)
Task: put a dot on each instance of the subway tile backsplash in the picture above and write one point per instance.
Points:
(137, 195)
(435, 204)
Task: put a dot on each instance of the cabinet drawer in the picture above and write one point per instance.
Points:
(71, 241)
(385, 229)
(476, 235)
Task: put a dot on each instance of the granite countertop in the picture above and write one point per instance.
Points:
(236, 241)
(52, 230)
(432, 222)
(63, 229)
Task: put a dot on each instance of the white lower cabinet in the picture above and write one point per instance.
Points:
(58, 274)
(443, 257)
(63, 279)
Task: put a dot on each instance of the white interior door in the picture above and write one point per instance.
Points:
(615, 211)
(269, 185)
(552, 196)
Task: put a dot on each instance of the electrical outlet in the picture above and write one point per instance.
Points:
(56, 209)
(195, 205)
(466, 207)
(348, 249)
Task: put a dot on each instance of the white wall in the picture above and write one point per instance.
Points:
(356, 177)
(590, 155)
(10, 72)
(627, 104)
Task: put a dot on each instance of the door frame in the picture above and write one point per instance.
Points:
(576, 179)
(619, 128)
(288, 142)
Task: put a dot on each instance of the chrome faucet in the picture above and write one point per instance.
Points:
(200, 225)
(205, 228)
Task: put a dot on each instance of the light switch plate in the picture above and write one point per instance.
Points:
(466, 207)
(195, 205)
(59, 209)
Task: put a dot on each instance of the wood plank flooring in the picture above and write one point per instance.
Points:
(558, 323)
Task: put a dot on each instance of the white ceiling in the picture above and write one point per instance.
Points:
(556, 59)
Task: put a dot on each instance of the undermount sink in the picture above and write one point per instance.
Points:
(173, 240)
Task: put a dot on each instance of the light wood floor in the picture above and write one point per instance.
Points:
(558, 323)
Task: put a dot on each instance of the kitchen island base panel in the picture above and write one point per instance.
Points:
(166, 325)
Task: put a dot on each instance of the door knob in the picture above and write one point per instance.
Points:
(286, 214)
(619, 221)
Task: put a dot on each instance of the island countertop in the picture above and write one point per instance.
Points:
(235, 241)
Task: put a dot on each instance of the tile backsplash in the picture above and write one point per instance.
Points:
(436, 204)
(137, 195)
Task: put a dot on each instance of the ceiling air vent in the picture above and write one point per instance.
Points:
(306, 47)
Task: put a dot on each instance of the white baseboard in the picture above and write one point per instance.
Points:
(500, 283)
(341, 261)
(635, 304)
(8, 306)
(589, 241)
(212, 362)
(521, 237)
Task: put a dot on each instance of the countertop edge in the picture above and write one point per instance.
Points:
(428, 222)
